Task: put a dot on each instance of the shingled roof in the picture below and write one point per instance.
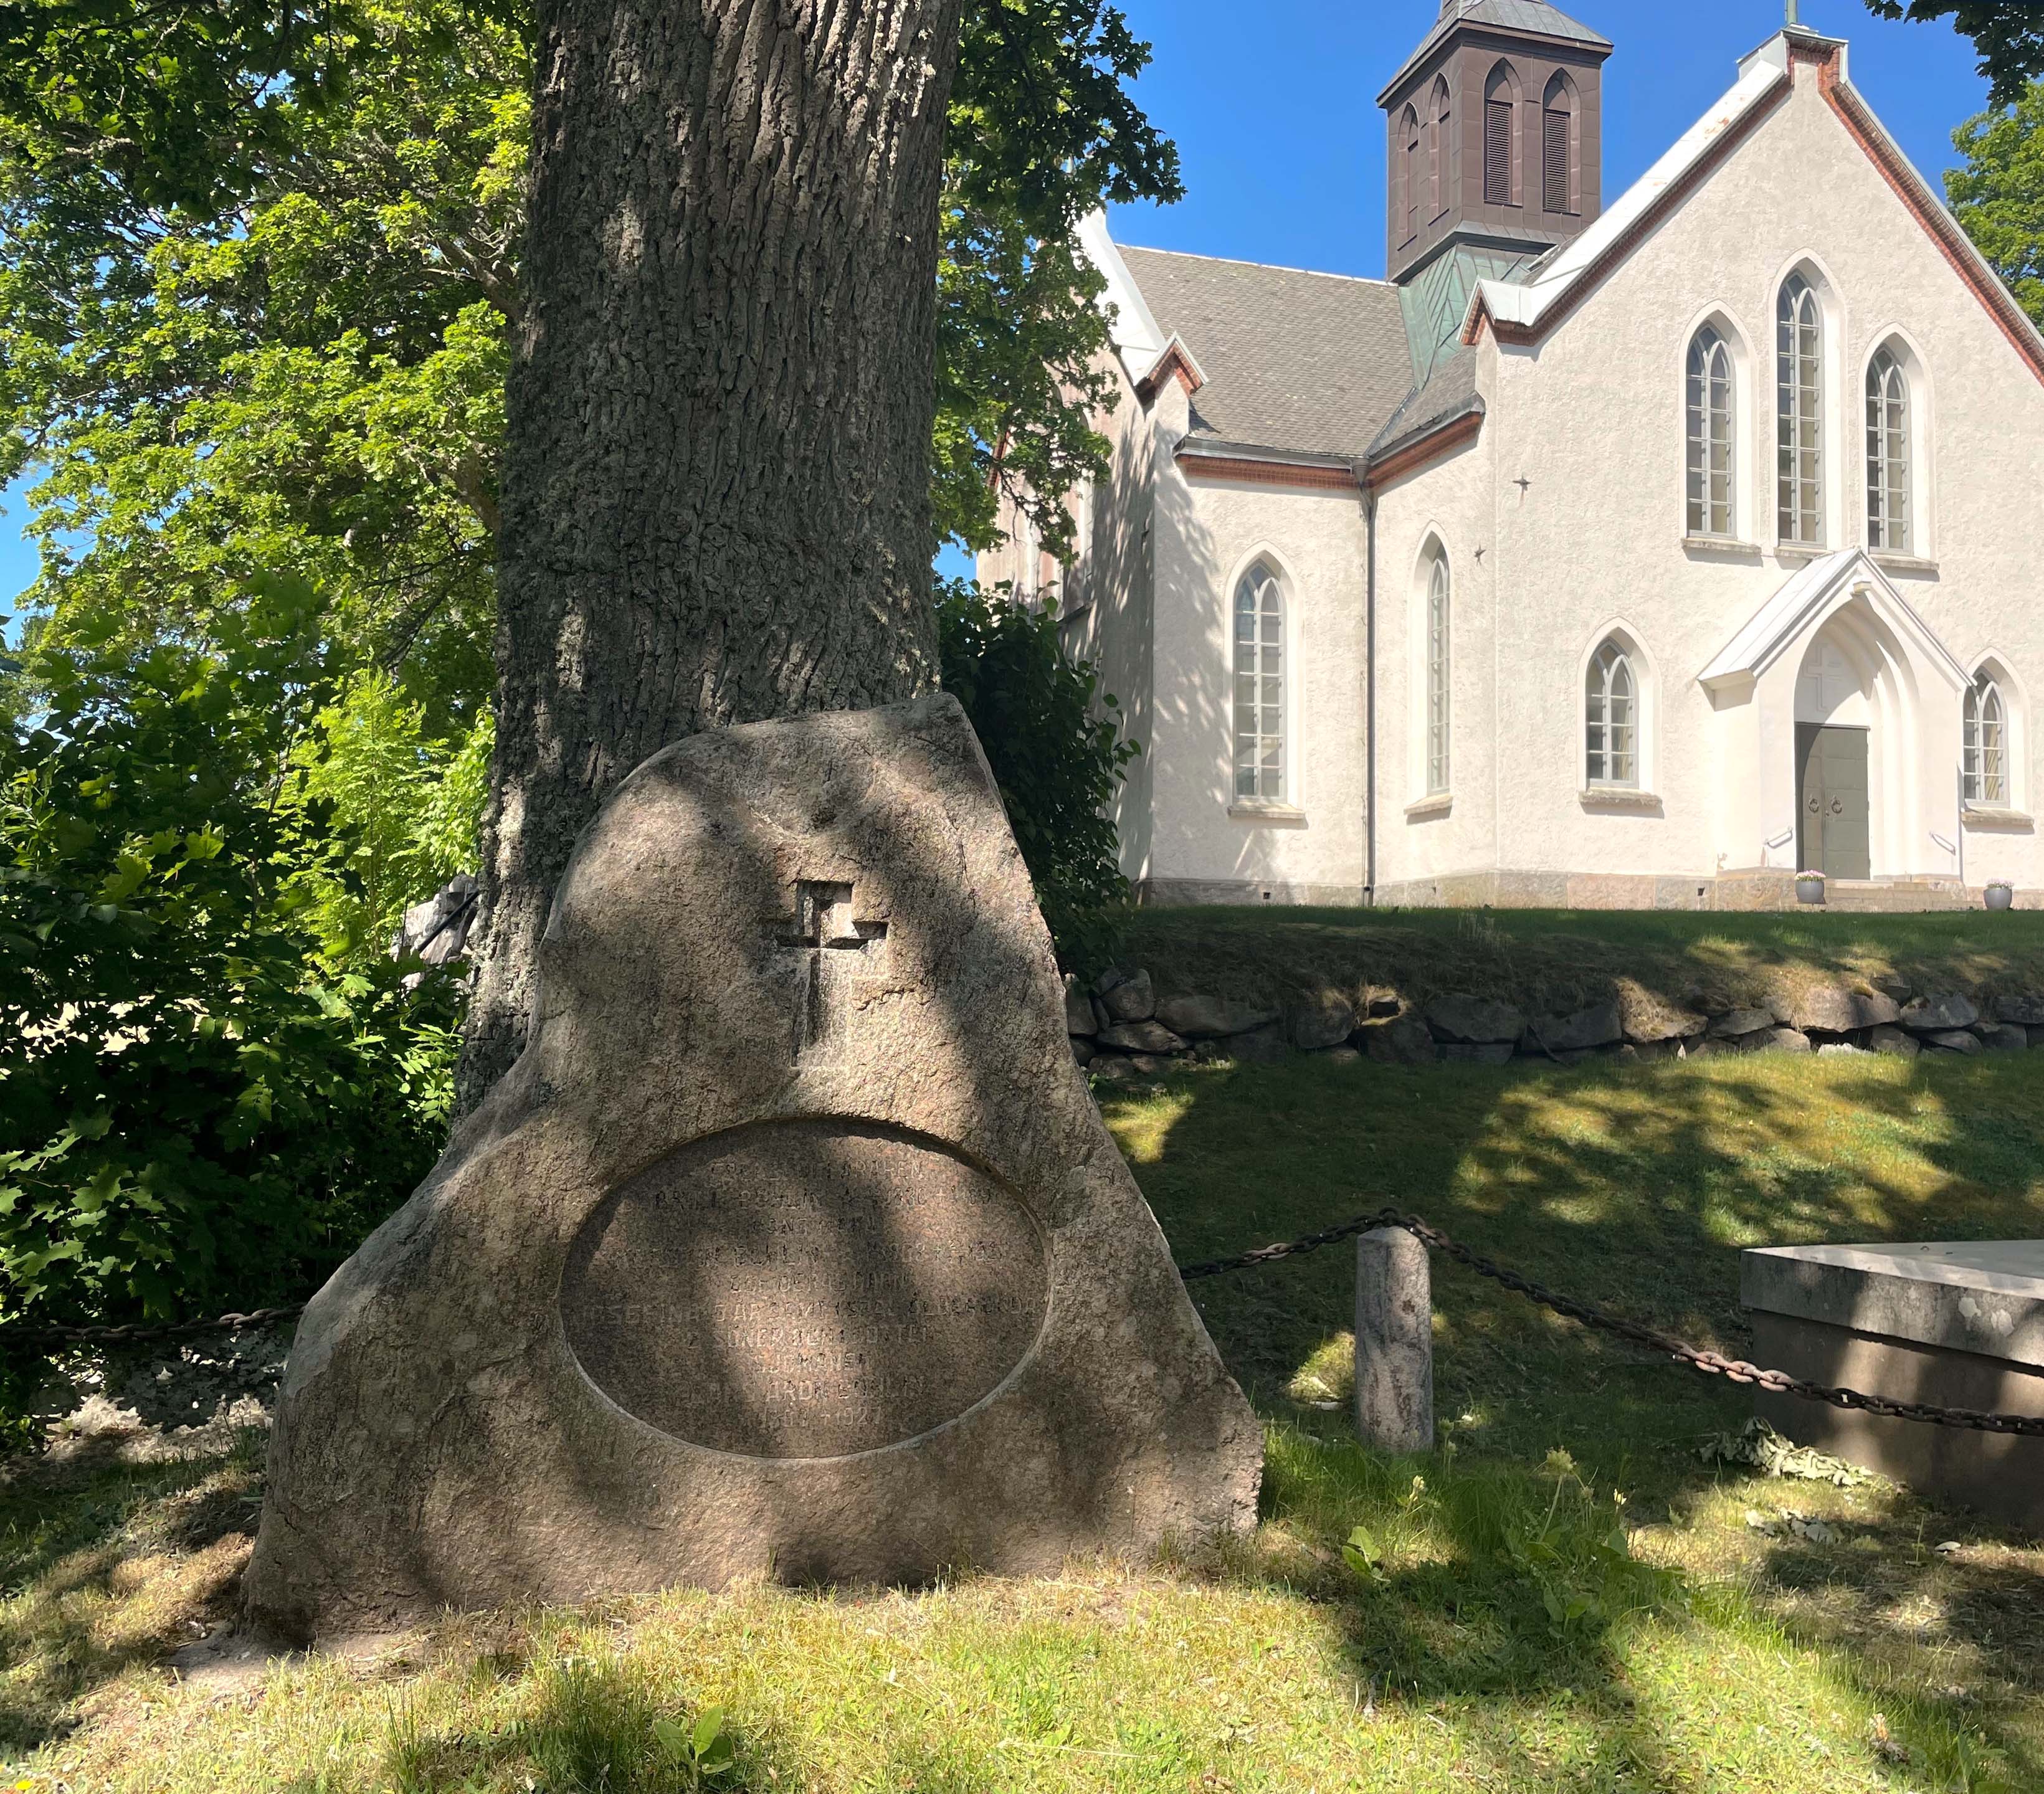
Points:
(1310, 363)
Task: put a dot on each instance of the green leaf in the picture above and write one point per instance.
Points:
(709, 1731)
(672, 1739)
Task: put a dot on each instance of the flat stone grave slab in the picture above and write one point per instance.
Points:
(793, 1246)
(1956, 1325)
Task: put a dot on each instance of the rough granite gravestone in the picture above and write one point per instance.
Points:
(792, 1247)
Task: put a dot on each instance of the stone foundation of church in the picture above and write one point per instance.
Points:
(1750, 890)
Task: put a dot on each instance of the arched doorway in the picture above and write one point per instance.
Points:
(1834, 713)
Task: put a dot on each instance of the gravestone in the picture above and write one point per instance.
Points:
(792, 1247)
(1952, 1324)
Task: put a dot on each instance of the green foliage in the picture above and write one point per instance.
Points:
(1022, 374)
(1044, 128)
(407, 807)
(175, 104)
(190, 1116)
(1998, 197)
(313, 384)
(1053, 740)
(701, 1752)
(2009, 34)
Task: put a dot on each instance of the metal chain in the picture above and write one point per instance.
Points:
(139, 1332)
(1710, 1364)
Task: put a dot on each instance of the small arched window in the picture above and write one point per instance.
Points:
(1501, 136)
(1440, 674)
(1409, 131)
(1558, 138)
(1711, 434)
(1986, 761)
(1611, 719)
(1259, 686)
(1888, 524)
(1443, 149)
(1799, 403)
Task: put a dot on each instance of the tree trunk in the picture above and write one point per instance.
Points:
(716, 491)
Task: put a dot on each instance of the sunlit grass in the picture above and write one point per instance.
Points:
(1514, 1626)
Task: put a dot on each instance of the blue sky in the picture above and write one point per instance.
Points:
(1273, 105)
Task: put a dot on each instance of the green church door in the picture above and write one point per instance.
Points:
(1838, 833)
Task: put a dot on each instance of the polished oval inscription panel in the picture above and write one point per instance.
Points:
(805, 1289)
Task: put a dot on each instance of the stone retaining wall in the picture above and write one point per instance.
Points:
(1121, 1028)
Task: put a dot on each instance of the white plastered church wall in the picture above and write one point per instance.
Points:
(1109, 608)
(1427, 851)
(1593, 417)
(1207, 845)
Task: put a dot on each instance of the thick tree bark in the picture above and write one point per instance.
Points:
(716, 492)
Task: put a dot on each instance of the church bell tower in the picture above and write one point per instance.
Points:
(1496, 139)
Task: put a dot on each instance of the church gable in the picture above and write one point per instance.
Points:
(1524, 313)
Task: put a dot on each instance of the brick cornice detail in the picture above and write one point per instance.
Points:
(1245, 472)
(1939, 224)
(1175, 363)
(1427, 450)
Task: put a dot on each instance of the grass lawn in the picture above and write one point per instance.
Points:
(1567, 1597)
(1555, 961)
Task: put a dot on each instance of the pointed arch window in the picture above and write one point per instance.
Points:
(1442, 151)
(1259, 685)
(1890, 524)
(1800, 404)
(1558, 138)
(1611, 720)
(1711, 434)
(1408, 129)
(1440, 674)
(1986, 762)
(1501, 136)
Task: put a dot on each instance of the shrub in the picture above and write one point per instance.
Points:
(192, 1115)
(1054, 740)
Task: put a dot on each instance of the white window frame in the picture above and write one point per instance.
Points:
(1269, 660)
(1437, 727)
(1612, 755)
(1890, 457)
(1988, 764)
(1802, 339)
(1711, 434)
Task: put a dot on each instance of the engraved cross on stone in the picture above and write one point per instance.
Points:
(834, 944)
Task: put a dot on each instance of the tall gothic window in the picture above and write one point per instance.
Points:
(1611, 719)
(1440, 670)
(1887, 520)
(1409, 130)
(1500, 128)
(1986, 760)
(1799, 405)
(1443, 149)
(1259, 686)
(1557, 132)
(1711, 435)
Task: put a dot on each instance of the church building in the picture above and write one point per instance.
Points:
(1628, 555)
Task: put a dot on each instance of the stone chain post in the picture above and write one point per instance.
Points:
(1394, 1342)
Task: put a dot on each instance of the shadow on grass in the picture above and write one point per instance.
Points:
(1634, 1188)
(1556, 960)
(105, 1573)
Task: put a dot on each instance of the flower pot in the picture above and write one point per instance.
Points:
(2000, 896)
(1809, 890)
